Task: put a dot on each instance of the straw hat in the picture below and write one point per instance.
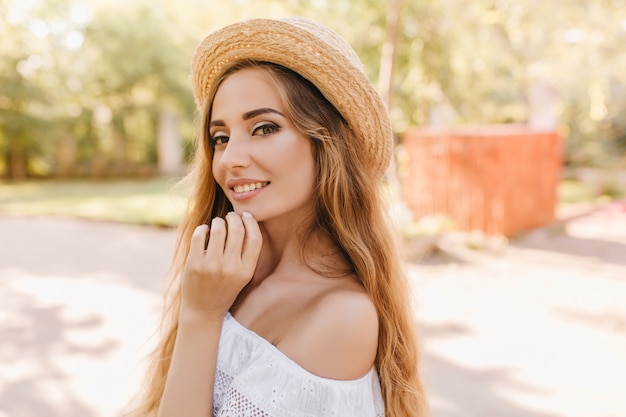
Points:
(313, 51)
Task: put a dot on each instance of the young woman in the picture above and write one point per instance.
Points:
(287, 294)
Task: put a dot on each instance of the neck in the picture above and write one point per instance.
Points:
(282, 251)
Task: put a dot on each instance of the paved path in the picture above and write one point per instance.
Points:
(78, 303)
(537, 328)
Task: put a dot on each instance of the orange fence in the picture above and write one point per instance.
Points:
(497, 179)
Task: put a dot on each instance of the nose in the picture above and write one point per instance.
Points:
(235, 154)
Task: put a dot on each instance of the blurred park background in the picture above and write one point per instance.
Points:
(94, 91)
(99, 89)
(97, 121)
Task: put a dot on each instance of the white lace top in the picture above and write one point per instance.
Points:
(255, 379)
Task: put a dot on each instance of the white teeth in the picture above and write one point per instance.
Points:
(248, 187)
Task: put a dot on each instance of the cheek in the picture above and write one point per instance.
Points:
(219, 175)
(215, 169)
(303, 170)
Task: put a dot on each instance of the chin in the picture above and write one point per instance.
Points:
(255, 213)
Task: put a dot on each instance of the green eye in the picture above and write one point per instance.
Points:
(219, 140)
(266, 129)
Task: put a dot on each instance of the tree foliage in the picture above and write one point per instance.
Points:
(83, 84)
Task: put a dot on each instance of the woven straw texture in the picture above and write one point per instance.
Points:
(313, 51)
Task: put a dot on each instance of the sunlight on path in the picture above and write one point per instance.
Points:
(79, 304)
(76, 345)
(537, 329)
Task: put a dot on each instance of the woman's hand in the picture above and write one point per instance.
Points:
(213, 277)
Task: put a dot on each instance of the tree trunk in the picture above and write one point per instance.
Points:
(119, 151)
(67, 155)
(388, 56)
(169, 144)
(401, 212)
(16, 160)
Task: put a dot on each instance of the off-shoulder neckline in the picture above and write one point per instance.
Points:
(274, 351)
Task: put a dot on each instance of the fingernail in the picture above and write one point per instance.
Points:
(199, 229)
(246, 214)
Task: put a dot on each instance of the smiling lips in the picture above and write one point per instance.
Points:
(244, 188)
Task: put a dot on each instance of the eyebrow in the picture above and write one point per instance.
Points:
(249, 115)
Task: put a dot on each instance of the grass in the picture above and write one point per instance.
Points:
(128, 201)
(571, 192)
(143, 202)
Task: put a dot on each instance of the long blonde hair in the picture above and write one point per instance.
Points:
(348, 209)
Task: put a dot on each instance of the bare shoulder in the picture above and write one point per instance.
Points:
(338, 336)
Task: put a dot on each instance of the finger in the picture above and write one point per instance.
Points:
(234, 239)
(217, 238)
(253, 241)
(197, 239)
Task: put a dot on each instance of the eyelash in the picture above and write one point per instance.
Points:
(274, 127)
(217, 140)
(223, 139)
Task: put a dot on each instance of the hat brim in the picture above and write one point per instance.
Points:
(314, 52)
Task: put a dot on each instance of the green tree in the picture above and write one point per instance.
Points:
(135, 70)
(29, 45)
(87, 86)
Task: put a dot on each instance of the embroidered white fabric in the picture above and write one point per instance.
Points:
(255, 379)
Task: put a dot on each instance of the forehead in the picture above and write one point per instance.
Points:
(246, 90)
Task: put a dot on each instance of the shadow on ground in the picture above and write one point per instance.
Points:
(84, 249)
(458, 391)
(563, 243)
(44, 349)
(37, 337)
